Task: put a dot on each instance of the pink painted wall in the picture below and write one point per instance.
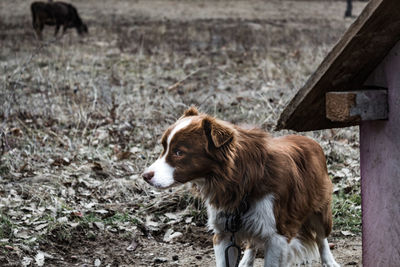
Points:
(380, 172)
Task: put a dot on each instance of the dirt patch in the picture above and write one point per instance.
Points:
(194, 248)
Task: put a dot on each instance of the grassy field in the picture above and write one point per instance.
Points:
(80, 119)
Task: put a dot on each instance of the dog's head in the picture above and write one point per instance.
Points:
(193, 147)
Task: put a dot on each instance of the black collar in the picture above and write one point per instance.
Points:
(233, 221)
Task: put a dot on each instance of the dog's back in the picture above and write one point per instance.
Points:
(299, 176)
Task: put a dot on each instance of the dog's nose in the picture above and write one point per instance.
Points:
(148, 175)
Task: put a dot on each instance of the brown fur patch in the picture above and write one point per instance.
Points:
(217, 238)
(192, 111)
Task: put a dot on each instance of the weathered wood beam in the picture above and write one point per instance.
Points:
(356, 106)
(347, 65)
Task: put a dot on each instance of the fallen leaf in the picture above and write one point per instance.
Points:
(132, 247)
(172, 216)
(26, 261)
(170, 235)
(21, 234)
(99, 225)
(135, 149)
(347, 233)
(123, 155)
(101, 211)
(62, 219)
(76, 214)
(39, 258)
(97, 166)
(16, 131)
(151, 224)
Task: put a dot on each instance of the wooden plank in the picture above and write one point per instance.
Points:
(380, 176)
(347, 66)
(339, 105)
(357, 106)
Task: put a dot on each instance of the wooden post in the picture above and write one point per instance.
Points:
(380, 173)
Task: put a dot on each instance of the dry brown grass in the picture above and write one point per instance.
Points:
(81, 118)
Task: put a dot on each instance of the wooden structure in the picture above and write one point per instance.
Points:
(358, 83)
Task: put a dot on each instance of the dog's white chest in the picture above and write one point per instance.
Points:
(257, 223)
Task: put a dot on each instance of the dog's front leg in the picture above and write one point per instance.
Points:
(276, 252)
(221, 241)
(248, 256)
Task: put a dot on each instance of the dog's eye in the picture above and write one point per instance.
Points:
(178, 153)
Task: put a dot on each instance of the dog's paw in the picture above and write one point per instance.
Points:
(330, 264)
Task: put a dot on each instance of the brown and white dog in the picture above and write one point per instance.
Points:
(284, 180)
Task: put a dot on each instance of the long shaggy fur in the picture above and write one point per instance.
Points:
(284, 180)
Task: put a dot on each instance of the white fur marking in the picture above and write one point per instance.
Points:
(163, 172)
(248, 258)
(276, 251)
(326, 255)
(182, 124)
(259, 221)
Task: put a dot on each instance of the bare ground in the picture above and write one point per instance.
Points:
(81, 118)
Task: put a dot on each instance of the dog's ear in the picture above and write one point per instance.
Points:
(192, 111)
(216, 133)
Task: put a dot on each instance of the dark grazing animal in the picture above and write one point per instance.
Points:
(349, 9)
(58, 14)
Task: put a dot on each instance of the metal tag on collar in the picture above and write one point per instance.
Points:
(235, 246)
